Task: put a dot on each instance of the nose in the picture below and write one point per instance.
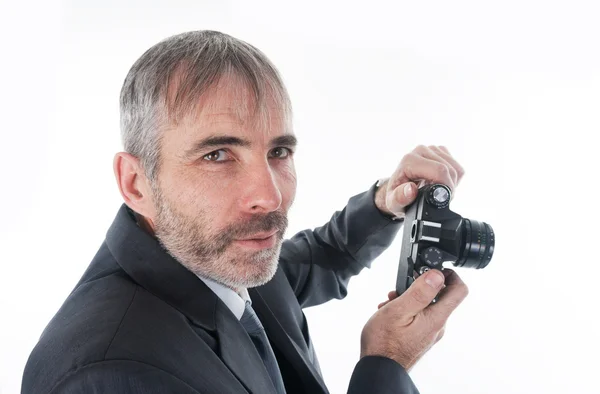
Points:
(261, 192)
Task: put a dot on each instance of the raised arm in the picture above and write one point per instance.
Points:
(319, 263)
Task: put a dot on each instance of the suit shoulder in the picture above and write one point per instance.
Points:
(81, 331)
(122, 376)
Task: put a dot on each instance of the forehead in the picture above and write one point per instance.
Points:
(232, 103)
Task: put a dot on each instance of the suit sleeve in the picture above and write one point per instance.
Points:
(380, 375)
(319, 263)
(121, 377)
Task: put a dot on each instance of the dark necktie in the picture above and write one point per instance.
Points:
(257, 333)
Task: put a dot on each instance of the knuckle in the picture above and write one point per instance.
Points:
(443, 170)
(464, 290)
(452, 304)
(440, 335)
(421, 149)
(385, 312)
(431, 337)
(408, 157)
(453, 172)
(439, 150)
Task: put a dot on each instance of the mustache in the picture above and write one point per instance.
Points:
(276, 220)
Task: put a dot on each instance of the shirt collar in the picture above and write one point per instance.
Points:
(234, 301)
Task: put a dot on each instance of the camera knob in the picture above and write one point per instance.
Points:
(432, 256)
(439, 196)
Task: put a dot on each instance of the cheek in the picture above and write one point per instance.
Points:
(287, 184)
(193, 194)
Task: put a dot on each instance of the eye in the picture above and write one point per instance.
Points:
(215, 156)
(281, 152)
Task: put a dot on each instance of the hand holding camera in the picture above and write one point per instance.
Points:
(423, 165)
(413, 319)
(432, 234)
(406, 327)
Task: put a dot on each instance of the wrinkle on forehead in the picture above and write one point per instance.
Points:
(229, 97)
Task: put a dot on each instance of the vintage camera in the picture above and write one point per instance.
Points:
(433, 234)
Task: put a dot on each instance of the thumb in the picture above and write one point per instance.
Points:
(420, 294)
(401, 197)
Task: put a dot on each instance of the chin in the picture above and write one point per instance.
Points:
(260, 270)
(246, 271)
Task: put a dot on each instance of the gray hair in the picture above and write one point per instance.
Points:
(166, 83)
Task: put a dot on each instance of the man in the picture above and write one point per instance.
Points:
(194, 290)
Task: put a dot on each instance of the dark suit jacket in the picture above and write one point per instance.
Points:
(139, 322)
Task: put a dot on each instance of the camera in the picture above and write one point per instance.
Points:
(433, 234)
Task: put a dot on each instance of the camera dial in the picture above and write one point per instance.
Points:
(432, 256)
(439, 196)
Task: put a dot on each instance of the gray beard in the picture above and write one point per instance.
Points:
(196, 246)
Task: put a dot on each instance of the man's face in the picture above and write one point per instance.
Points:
(224, 184)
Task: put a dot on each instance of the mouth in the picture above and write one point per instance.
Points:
(259, 240)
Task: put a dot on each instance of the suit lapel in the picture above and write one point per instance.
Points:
(144, 260)
(279, 338)
(239, 353)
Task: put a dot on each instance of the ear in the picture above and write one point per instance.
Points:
(133, 184)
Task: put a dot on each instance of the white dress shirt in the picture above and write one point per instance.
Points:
(234, 301)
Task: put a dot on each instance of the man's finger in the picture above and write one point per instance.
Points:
(440, 334)
(401, 197)
(433, 153)
(391, 295)
(419, 167)
(450, 297)
(420, 294)
(416, 168)
(442, 147)
(460, 172)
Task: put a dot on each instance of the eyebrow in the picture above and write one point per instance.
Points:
(288, 140)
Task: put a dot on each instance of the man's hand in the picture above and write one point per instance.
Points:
(406, 327)
(425, 165)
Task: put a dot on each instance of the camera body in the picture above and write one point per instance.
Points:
(433, 234)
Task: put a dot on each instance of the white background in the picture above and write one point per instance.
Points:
(511, 87)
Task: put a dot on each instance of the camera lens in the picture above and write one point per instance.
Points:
(478, 244)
